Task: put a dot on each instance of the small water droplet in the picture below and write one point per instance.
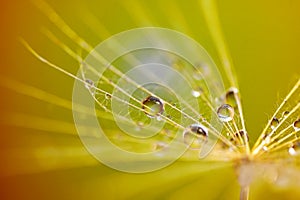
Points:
(292, 151)
(89, 84)
(197, 75)
(285, 114)
(195, 135)
(107, 96)
(153, 107)
(139, 126)
(242, 134)
(196, 93)
(230, 96)
(202, 69)
(274, 123)
(178, 64)
(296, 125)
(159, 118)
(159, 146)
(225, 113)
(267, 139)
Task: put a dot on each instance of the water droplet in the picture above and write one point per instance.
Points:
(202, 69)
(139, 126)
(225, 113)
(178, 64)
(285, 114)
(107, 96)
(296, 125)
(292, 151)
(197, 75)
(265, 148)
(159, 146)
(153, 106)
(89, 84)
(196, 93)
(242, 134)
(267, 139)
(230, 96)
(274, 123)
(195, 135)
(159, 118)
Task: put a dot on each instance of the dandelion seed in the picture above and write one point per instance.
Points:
(195, 135)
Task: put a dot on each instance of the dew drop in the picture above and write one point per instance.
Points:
(89, 84)
(195, 135)
(202, 69)
(265, 148)
(242, 134)
(230, 96)
(225, 113)
(285, 114)
(294, 149)
(153, 106)
(274, 123)
(159, 146)
(267, 139)
(197, 75)
(107, 96)
(139, 126)
(296, 125)
(196, 93)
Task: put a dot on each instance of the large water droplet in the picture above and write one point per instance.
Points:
(225, 113)
(274, 123)
(195, 135)
(296, 125)
(153, 106)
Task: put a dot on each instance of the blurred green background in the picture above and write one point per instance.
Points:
(46, 163)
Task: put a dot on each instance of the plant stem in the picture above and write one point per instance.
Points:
(244, 194)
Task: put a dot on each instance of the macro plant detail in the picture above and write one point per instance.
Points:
(149, 97)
